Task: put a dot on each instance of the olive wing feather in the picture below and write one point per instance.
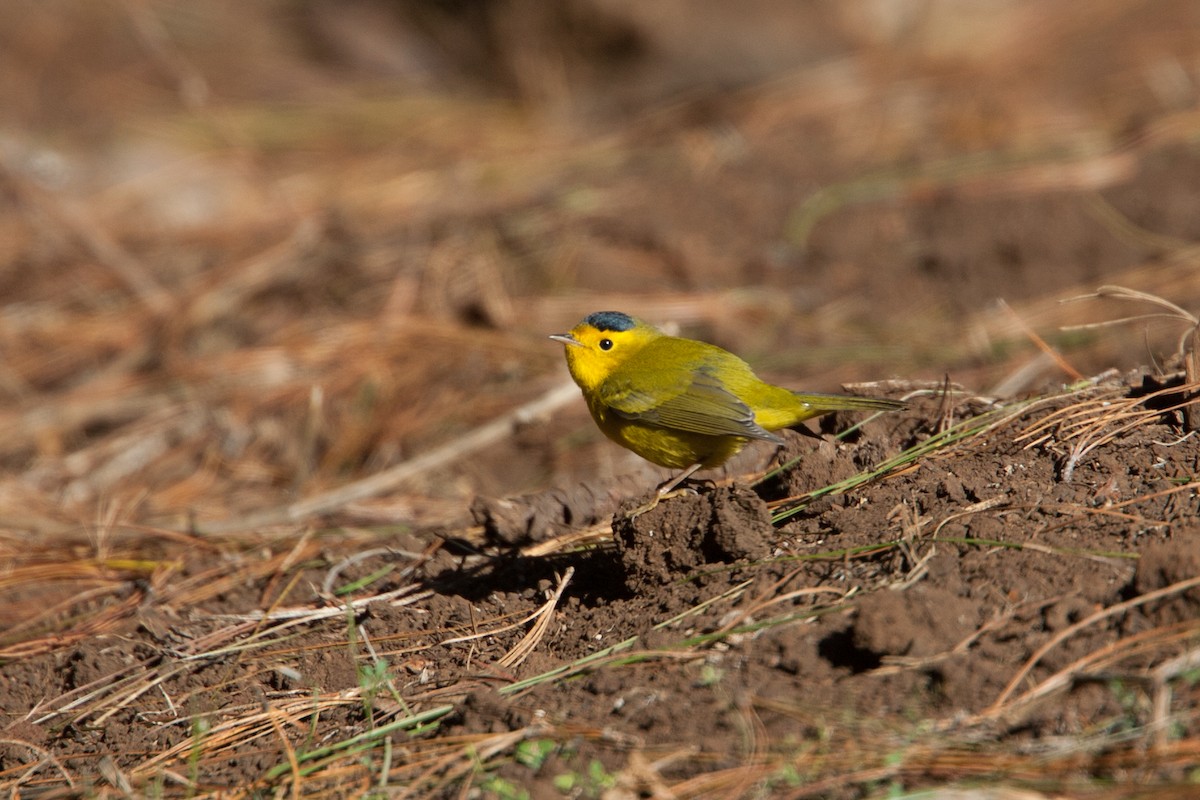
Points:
(691, 400)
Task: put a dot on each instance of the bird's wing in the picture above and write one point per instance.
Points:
(696, 401)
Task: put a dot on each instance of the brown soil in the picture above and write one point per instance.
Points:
(1016, 608)
(961, 592)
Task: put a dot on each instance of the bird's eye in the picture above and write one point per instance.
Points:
(606, 344)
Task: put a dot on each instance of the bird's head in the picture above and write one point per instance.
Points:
(601, 343)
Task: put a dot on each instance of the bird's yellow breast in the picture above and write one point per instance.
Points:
(674, 449)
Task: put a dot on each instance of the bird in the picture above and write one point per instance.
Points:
(682, 403)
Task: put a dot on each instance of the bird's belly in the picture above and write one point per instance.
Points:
(669, 447)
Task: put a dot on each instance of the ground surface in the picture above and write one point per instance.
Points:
(294, 498)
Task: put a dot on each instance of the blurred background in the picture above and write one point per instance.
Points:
(250, 252)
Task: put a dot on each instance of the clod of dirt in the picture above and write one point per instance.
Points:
(1165, 563)
(921, 621)
(520, 520)
(484, 711)
(813, 467)
(684, 533)
(515, 521)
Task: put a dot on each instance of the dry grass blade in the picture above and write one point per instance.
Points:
(107, 621)
(92, 698)
(943, 444)
(389, 479)
(545, 615)
(1123, 293)
(76, 221)
(1041, 345)
(1191, 367)
(209, 583)
(138, 687)
(1095, 422)
(45, 758)
(1096, 666)
(1126, 229)
(460, 763)
(598, 534)
(229, 736)
(1161, 678)
(111, 404)
(1188, 349)
(411, 593)
(275, 266)
(1002, 704)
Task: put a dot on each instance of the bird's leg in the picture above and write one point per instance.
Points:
(670, 486)
(665, 490)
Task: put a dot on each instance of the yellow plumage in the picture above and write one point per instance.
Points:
(682, 403)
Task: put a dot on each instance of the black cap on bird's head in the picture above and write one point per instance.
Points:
(599, 330)
(610, 321)
(602, 342)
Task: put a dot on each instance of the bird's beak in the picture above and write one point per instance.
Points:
(566, 338)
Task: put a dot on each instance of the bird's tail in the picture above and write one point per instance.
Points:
(824, 403)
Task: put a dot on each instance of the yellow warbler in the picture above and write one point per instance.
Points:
(681, 403)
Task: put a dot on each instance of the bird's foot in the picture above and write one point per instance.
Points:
(658, 497)
(667, 490)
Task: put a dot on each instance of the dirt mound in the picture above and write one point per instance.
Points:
(681, 535)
